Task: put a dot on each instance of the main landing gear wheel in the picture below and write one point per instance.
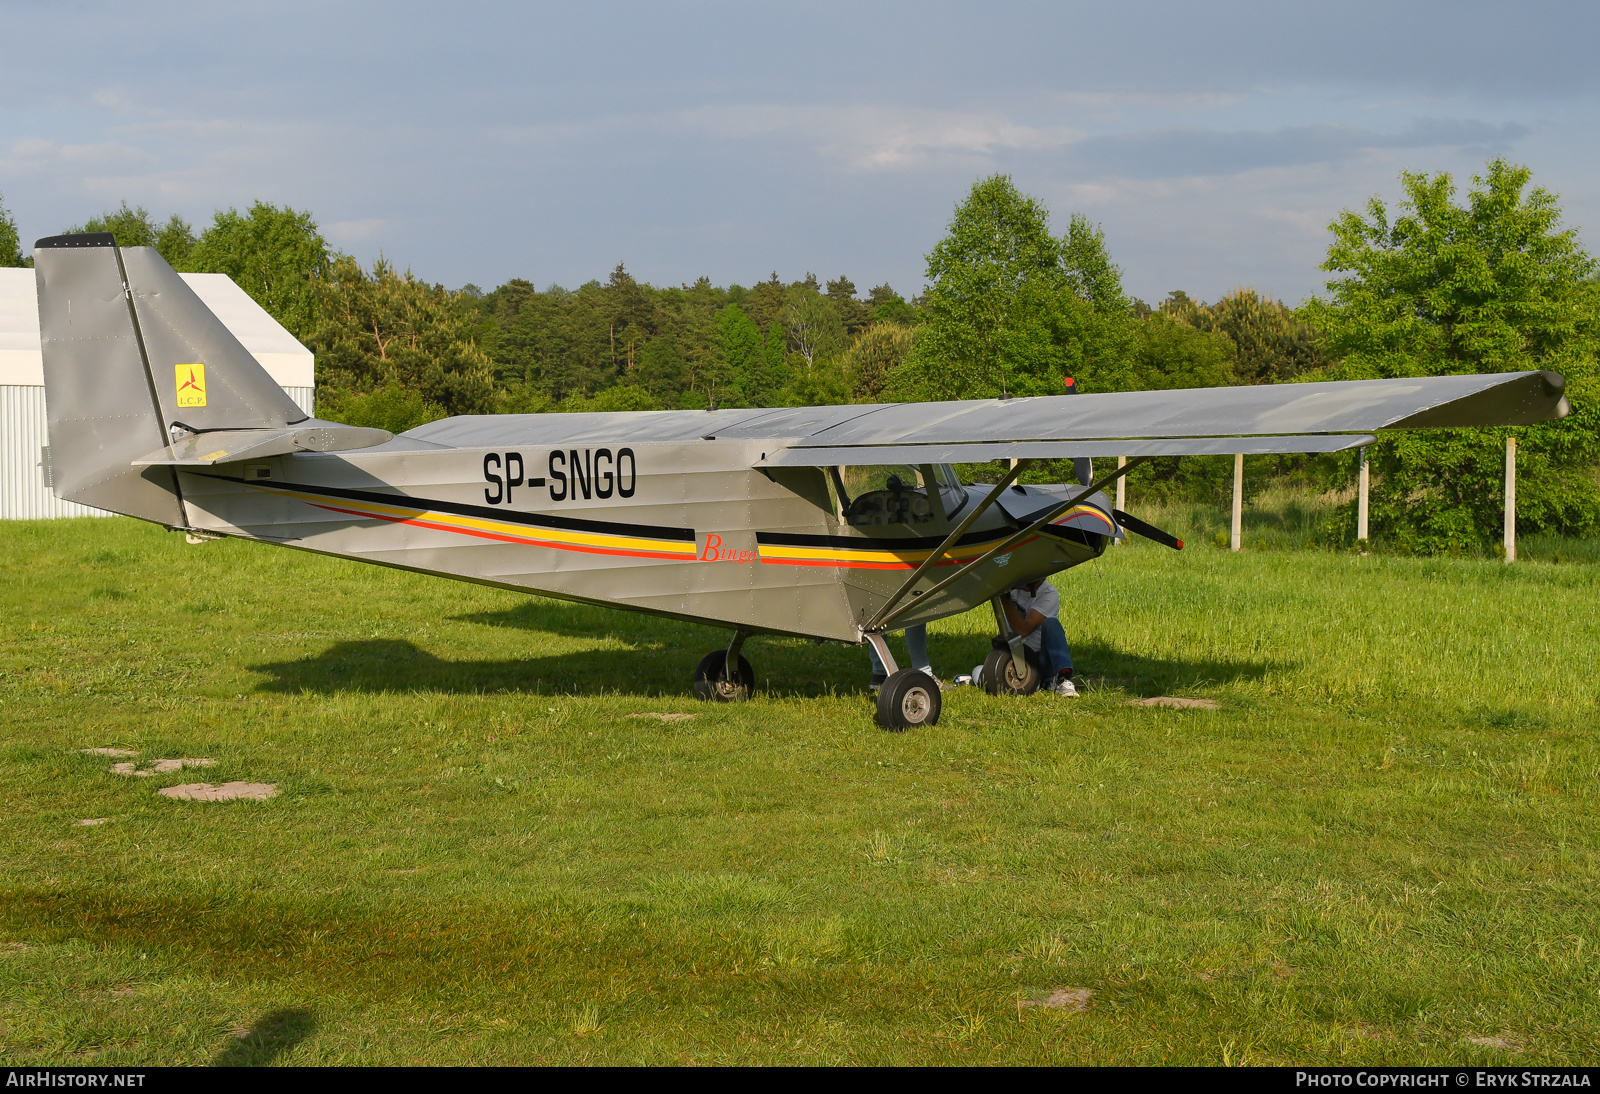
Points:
(710, 687)
(908, 699)
(1000, 675)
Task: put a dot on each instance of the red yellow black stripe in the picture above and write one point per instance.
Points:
(504, 526)
(870, 553)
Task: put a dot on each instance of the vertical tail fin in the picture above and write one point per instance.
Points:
(130, 352)
(99, 395)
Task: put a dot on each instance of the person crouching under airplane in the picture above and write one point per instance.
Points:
(1031, 611)
(916, 646)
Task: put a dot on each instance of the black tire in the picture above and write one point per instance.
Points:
(710, 687)
(1000, 675)
(907, 700)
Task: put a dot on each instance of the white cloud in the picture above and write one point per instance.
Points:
(353, 231)
(34, 155)
(873, 138)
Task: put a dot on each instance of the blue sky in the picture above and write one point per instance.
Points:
(1214, 142)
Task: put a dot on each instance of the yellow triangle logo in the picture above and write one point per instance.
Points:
(191, 380)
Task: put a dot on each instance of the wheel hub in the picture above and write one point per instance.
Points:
(915, 706)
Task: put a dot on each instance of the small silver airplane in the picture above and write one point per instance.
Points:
(837, 523)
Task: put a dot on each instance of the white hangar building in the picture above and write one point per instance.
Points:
(23, 433)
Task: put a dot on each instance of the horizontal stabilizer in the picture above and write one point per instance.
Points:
(875, 455)
(232, 445)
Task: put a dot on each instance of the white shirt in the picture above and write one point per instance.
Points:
(1047, 602)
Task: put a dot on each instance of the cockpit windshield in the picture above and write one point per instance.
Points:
(878, 495)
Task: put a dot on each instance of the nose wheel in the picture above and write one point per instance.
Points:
(1000, 675)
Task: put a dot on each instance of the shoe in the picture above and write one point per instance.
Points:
(929, 673)
(1066, 689)
(877, 681)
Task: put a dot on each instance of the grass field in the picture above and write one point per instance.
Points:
(1381, 848)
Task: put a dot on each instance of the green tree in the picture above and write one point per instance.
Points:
(775, 345)
(392, 406)
(992, 276)
(175, 242)
(388, 329)
(766, 301)
(1271, 344)
(135, 227)
(1169, 354)
(661, 370)
(816, 330)
(618, 397)
(277, 255)
(1495, 285)
(884, 305)
(129, 226)
(1012, 309)
(746, 357)
(10, 242)
(852, 312)
(1090, 273)
(631, 314)
(874, 356)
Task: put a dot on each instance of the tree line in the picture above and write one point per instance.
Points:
(1432, 286)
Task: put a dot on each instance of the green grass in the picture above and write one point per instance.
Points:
(1382, 847)
(1284, 515)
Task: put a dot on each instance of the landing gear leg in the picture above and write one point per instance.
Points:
(724, 676)
(1006, 670)
(879, 643)
(1013, 641)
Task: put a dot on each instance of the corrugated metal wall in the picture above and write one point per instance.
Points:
(23, 495)
(23, 433)
(304, 398)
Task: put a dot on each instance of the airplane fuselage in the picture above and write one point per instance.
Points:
(683, 528)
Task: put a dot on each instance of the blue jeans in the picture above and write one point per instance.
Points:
(916, 646)
(1053, 657)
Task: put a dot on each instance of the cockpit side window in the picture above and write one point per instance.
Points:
(951, 492)
(880, 495)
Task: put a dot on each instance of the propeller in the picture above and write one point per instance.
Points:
(1148, 531)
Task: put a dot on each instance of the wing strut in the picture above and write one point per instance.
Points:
(949, 541)
(884, 618)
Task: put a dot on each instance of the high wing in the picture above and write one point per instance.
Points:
(1314, 417)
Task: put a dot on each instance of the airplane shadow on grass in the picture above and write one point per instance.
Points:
(662, 654)
(267, 1039)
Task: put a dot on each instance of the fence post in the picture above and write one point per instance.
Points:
(1238, 501)
(1511, 499)
(1122, 489)
(1361, 500)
